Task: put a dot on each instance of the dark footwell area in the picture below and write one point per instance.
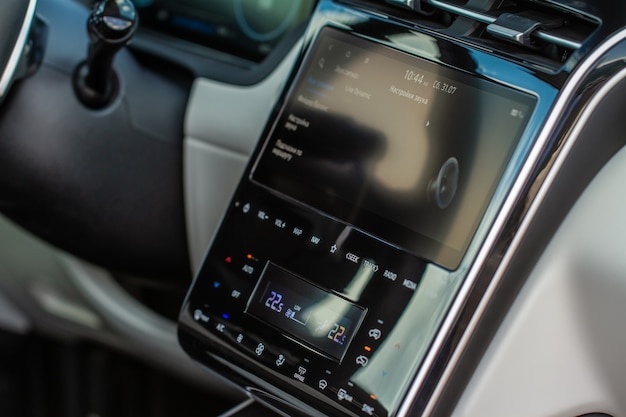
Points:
(40, 377)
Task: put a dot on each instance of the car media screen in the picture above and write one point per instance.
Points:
(318, 318)
(402, 148)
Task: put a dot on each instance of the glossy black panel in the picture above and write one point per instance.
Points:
(306, 226)
(406, 150)
(315, 261)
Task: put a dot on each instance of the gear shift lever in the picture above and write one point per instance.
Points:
(111, 26)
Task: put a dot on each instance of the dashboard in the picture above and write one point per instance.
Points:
(370, 185)
(325, 207)
(369, 210)
(249, 29)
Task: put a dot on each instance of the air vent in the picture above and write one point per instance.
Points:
(536, 31)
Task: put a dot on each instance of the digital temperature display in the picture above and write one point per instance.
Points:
(319, 319)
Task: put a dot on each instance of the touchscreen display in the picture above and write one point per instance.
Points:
(402, 148)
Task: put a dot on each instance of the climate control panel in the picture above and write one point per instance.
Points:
(303, 296)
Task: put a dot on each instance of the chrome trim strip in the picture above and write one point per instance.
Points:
(484, 18)
(557, 40)
(236, 409)
(14, 59)
(567, 93)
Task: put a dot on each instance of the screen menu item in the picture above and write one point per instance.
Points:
(401, 148)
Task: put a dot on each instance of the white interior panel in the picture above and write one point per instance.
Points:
(222, 126)
(233, 116)
(560, 350)
(211, 175)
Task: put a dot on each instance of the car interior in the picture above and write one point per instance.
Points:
(312, 208)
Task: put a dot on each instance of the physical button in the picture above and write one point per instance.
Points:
(280, 360)
(343, 395)
(262, 215)
(322, 384)
(375, 333)
(198, 315)
(362, 360)
(300, 374)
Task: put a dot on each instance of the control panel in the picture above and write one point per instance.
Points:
(303, 296)
(328, 278)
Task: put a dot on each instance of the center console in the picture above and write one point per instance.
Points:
(359, 216)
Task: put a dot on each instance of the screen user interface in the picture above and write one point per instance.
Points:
(400, 147)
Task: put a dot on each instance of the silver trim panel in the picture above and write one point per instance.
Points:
(14, 59)
(484, 18)
(567, 93)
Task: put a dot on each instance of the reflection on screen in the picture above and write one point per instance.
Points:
(400, 147)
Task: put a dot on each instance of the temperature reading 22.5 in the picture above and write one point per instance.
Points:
(337, 334)
(274, 301)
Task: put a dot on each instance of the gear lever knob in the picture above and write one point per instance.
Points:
(111, 26)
